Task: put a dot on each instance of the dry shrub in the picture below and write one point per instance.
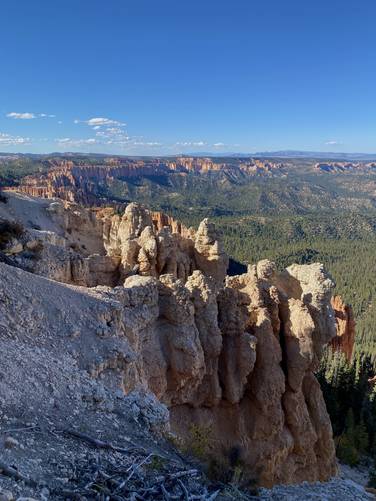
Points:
(8, 231)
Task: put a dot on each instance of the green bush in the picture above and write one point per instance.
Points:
(346, 450)
(199, 443)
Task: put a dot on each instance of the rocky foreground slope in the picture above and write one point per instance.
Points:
(103, 312)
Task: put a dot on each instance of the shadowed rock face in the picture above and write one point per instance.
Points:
(236, 354)
(345, 336)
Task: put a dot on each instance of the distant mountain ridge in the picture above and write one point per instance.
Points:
(328, 155)
(289, 154)
(317, 154)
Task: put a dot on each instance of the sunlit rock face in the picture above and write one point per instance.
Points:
(344, 340)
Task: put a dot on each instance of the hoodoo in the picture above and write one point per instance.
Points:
(344, 340)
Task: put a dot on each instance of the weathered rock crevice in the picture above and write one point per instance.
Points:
(282, 342)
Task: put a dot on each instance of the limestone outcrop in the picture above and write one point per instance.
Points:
(234, 356)
(344, 340)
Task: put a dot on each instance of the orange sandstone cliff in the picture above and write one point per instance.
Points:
(345, 328)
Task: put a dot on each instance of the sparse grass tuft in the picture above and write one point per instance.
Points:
(229, 470)
(200, 441)
(157, 463)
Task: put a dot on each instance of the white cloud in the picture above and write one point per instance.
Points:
(150, 143)
(21, 116)
(63, 140)
(98, 121)
(9, 140)
(112, 135)
(28, 116)
(102, 121)
(114, 131)
(110, 132)
(191, 143)
(332, 142)
(75, 142)
(218, 145)
(121, 141)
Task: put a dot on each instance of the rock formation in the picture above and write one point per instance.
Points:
(233, 355)
(77, 182)
(343, 167)
(100, 247)
(345, 333)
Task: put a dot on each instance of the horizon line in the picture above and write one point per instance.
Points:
(229, 154)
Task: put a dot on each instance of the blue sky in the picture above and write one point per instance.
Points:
(164, 77)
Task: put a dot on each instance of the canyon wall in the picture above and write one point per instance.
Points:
(82, 183)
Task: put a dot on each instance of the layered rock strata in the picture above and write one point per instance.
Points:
(77, 182)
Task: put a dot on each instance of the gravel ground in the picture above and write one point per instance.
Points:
(338, 489)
